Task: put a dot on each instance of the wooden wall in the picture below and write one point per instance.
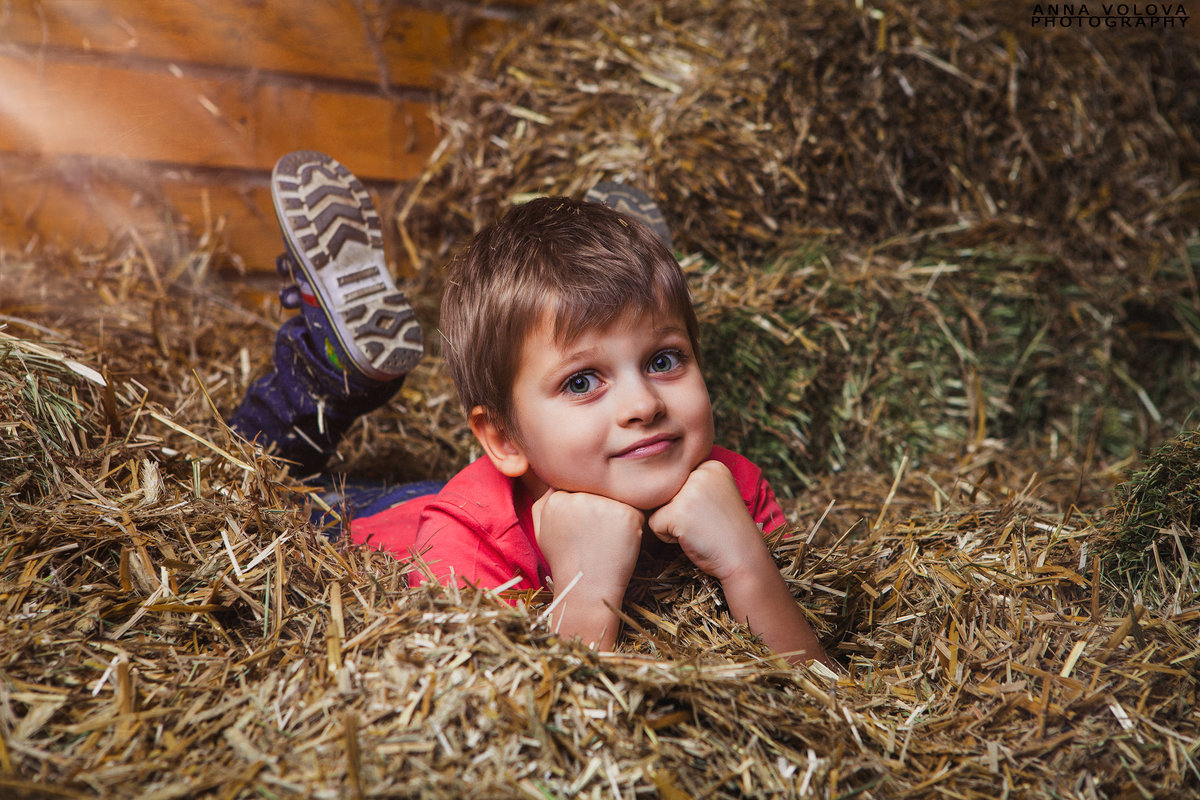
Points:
(145, 118)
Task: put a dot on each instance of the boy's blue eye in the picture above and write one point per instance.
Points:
(664, 361)
(579, 383)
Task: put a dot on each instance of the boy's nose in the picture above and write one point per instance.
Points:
(641, 403)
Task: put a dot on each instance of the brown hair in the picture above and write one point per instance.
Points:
(582, 262)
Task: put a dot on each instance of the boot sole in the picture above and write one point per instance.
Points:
(334, 235)
(634, 202)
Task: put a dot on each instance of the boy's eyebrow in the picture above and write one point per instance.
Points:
(583, 353)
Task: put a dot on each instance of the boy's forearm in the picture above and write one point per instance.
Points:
(760, 598)
(591, 544)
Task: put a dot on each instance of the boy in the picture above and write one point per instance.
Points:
(571, 338)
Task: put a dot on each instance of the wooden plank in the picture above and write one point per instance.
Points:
(67, 108)
(40, 205)
(239, 212)
(93, 205)
(386, 44)
(163, 117)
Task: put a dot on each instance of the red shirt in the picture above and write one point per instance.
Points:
(479, 528)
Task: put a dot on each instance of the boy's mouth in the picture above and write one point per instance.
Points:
(650, 446)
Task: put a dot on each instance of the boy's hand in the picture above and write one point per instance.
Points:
(581, 532)
(709, 520)
(598, 537)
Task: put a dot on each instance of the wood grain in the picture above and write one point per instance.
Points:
(160, 120)
(385, 44)
(71, 202)
(70, 108)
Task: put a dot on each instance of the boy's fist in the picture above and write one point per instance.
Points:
(709, 520)
(581, 532)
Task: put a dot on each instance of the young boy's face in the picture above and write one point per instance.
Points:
(621, 412)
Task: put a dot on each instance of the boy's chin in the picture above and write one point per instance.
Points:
(650, 495)
(645, 498)
(649, 502)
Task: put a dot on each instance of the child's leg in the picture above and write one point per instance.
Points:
(356, 337)
(302, 406)
(355, 499)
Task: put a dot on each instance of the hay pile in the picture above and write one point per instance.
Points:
(175, 627)
(927, 226)
(763, 123)
(950, 407)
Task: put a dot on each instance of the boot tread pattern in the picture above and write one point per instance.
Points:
(334, 236)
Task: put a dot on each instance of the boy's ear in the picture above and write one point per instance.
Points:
(504, 453)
